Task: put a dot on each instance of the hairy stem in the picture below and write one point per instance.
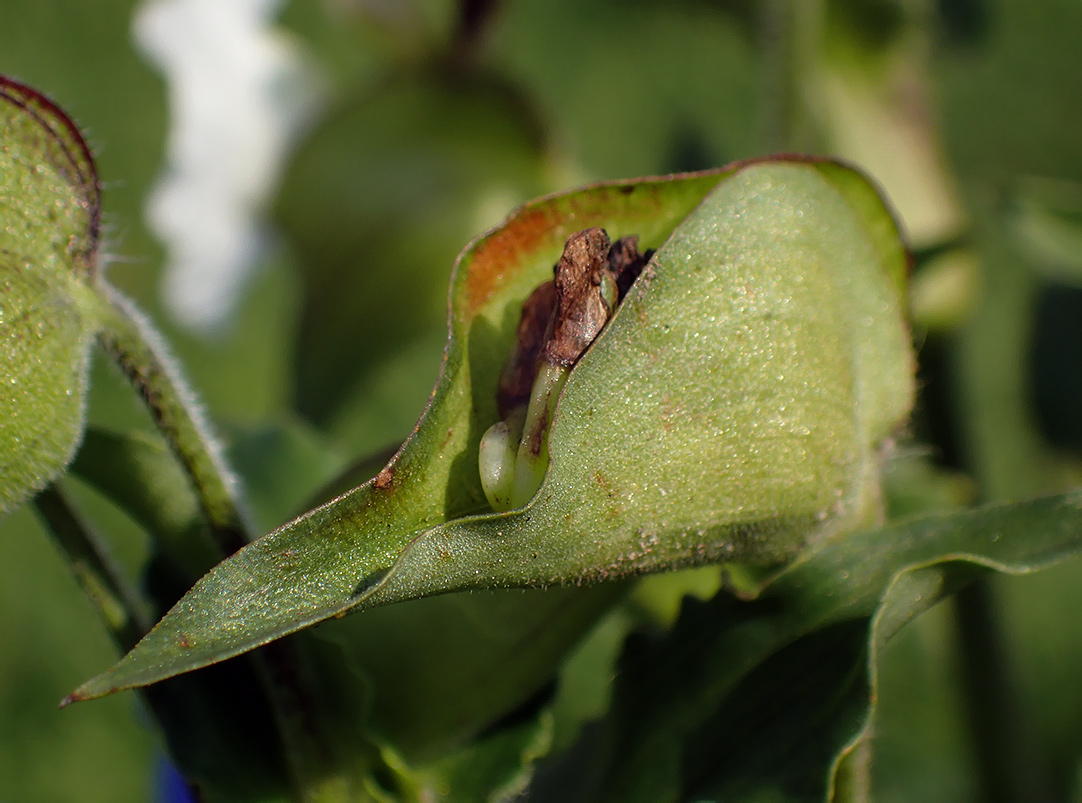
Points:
(135, 345)
(131, 340)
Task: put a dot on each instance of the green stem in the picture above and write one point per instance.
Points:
(1008, 768)
(787, 32)
(142, 355)
(533, 451)
(282, 671)
(115, 599)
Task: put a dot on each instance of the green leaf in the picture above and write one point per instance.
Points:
(586, 97)
(760, 700)
(731, 411)
(376, 204)
(138, 473)
(1008, 115)
(441, 669)
(1046, 218)
(49, 235)
(495, 767)
(283, 464)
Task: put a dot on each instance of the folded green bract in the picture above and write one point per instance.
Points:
(734, 410)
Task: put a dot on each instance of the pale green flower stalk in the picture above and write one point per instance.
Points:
(142, 355)
(532, 458)
(514, 453)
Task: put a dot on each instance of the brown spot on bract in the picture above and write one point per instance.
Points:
(672, 409)
(446, 439)
(183, 641)
(385, 478)
(604, 484)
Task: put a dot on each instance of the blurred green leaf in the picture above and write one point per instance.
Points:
(585, 684)
(1009, 114)
(760, 700)
(920, 744)
(496, 767)
(139, 474)
(441, 669)
(282, 466)
(779, 294)
(634, 88)
(1047, 218)
(1044, 652)
(376, 204)
(50, 208)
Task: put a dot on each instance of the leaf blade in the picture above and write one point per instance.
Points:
(861, 590)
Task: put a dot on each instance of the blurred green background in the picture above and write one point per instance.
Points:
(428, 120)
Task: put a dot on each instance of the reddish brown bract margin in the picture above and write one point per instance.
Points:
(71, 155)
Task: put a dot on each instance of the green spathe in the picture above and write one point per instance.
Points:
(733, 410)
